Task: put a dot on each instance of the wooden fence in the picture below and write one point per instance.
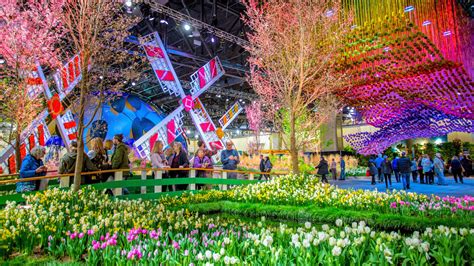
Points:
(148, 184)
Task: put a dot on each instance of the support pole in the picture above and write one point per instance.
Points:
(192, 174)
(224, 176)
(143, 188)
(118, 177)
(158, 176)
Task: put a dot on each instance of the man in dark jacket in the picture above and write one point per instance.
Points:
(404, 166)
(119, 158)
(323, 169)
(262, 167)
(67, 165)
(456, 169)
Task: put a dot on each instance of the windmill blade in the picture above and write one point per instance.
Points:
(230, 115)
(36, 133)
(207, 75)
(205, 126)
(68, 76)
(161, 64)
(167, 130)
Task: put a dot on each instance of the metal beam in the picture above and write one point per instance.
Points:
(177, 16)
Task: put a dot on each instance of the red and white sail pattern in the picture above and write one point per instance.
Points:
(161, 64)
(68, 76)
(36, 134)
(207, 75)
(166, 131)
(170, 127)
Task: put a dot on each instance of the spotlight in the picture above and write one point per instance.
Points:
(125, 82)
(151, 18)
(101, 77)
(218, 95)
(186, 27)
(226, 100)
(409, 9)
(164, 22)
(213, 40)
(133, 84)
(447, 33)
(329, 13)
(128, 3)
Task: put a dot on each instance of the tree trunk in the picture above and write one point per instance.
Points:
(80, 131)
(293, 150)
(17, 151)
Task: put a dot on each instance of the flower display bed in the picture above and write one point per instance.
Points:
(90, 227)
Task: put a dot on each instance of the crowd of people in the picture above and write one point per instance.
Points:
(323, 169)
(114, 154)
(422, 170)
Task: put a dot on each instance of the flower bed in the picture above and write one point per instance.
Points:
(308, 191)
(91, 227)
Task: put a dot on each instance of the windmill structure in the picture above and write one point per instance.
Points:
(171, 126)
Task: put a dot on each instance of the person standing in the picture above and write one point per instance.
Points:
(262, 167)
(119, 159)
(333, 169)
(343, 169)
(404, 166)
(387, 171)
(268, 167)
(439, 169)
(201, 161)
(372, 169)
(208, 153)
(230, 159)
(427, 165)
(32, 166)
(414, 170)
(378, 164)
(395, 169)
(420, 170)
(98, 156)
(179, 159)
(323, 169)
(466, 163)
(67, 164)
(157, 156)
(456, 169)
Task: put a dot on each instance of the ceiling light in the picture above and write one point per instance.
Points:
(128, 3)
(151, 18)
(426, 23)
(213, 40)
(186, 27)
(409, 9)
(226, 100)
(125, 82)
(2, 61)
(164, 22)
(188, 131)
(133, 84)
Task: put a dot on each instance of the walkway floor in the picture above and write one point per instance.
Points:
(452, 189)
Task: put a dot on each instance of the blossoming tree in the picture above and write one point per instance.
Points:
(255, 118)
(97, 28)
(292, 48)
(29, 33)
